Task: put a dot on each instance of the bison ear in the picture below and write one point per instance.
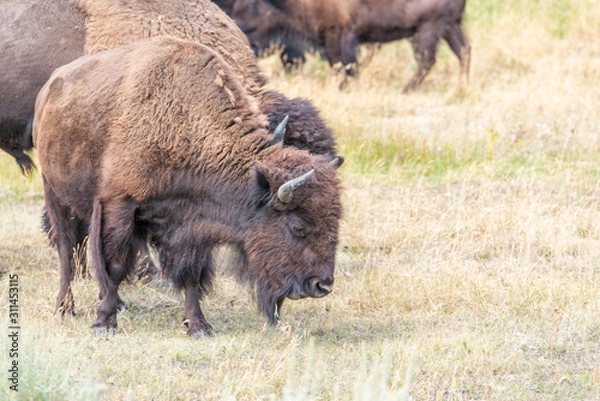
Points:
(261, 188)
(280, 4)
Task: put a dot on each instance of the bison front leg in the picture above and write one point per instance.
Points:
(342, 48)
(424, 45)
(195, 276)
(193, 318)
(65, 233)
(113, 253)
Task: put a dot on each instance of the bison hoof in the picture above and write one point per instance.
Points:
(104, 331)
(106, 324)
(202, 334)
(199, 329)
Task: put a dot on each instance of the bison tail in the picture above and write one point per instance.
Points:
(26, 165)
(95, 245)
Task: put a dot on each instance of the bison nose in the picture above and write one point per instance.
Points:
(319, 287)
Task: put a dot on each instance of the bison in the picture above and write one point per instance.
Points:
(338, 27)
(67, 29)
(158, 139)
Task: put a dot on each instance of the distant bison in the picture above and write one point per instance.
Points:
(158, 139)
(338, 27)
(67, 29)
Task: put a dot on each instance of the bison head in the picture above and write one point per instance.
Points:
(291, 251)
(267, 24)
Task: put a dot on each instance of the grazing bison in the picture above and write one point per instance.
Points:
(338, 27)
(158, 139)
(67, 29)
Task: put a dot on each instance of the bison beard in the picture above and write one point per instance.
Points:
(159, 140)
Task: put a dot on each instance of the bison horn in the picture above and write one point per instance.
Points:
(279, 132)
(284, 193)
(337, 162)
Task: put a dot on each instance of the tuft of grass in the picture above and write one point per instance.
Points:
(46, 371)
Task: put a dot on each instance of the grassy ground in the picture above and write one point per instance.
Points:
(469, 262)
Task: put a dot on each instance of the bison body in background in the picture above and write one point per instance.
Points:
(67, 29)
(337, 27)
(35, 38)
(159, 139)
(292, 54)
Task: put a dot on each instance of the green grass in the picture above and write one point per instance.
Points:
(468, 264)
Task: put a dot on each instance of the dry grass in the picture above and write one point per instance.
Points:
(469, 262)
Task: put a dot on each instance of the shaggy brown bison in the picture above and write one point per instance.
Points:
(337, 27)
(158, 139)
(67, 29)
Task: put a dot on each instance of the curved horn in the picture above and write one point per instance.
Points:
(337, 162)
(285, 191)
(279, 132)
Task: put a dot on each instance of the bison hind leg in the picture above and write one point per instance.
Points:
(424, 44)
(460, 46)
(65, 230)
(113, 253)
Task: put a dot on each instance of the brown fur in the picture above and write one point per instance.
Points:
(62, 30)
(145, 150)
(30, 49)
(337, 27)
(305, 129)
(112, 23)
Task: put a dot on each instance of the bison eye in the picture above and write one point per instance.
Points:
(297, 229)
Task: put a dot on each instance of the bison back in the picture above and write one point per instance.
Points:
(139, 115)
(113, 23)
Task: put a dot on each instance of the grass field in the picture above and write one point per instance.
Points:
(469, 259)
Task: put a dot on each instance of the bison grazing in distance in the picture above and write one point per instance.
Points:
(67, 29)
(337, 27)
(158, 139)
